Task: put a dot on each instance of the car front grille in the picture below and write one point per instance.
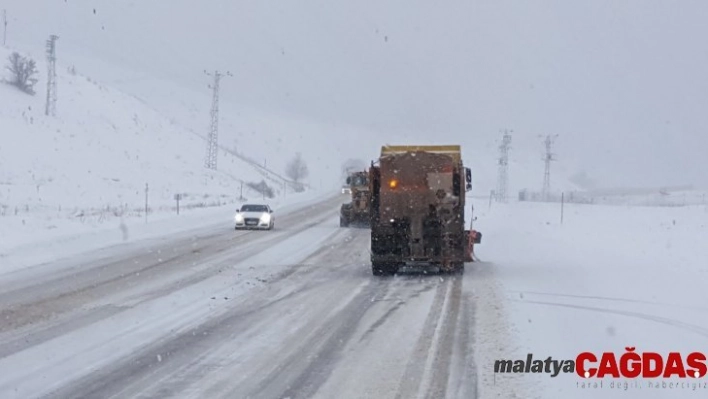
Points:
(252, 221)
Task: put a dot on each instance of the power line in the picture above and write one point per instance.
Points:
(547, 159)
(213, 138)
(51, 105)
(502, 177)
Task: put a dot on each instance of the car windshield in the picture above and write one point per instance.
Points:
(254, 208)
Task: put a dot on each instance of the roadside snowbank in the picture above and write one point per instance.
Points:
(605, 279)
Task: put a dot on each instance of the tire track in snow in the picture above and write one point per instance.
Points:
(703, 331)
(76, 310)
(90, 275)
(613, 299)
(35, 322)
(209, 360)
(493, 332)
(308, 353)
(169, 367)
(214, 267)
(463, 381)
(400, 302)
(47, 279)
(302, 373)
(428, 369)
(442, 357)
(309, 367)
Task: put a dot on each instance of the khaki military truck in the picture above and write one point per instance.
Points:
(418, 209)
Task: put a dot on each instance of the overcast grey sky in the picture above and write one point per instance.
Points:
(623, 83)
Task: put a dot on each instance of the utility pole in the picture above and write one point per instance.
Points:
(213, 138)
(51, 106)
(562, 204)
(4, 31)
(547, 159)
(502, 177)
(146, 202)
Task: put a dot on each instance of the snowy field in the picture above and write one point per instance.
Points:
(645, 198)
(607, 278)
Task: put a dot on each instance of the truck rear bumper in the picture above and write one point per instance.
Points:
(414, 261)
(355, 216)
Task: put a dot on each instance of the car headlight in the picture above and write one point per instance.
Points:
(265, 218)
(239, 218)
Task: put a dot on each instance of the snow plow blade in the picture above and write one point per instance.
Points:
(473, 237)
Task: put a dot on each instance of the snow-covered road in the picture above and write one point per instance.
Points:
(294, 312)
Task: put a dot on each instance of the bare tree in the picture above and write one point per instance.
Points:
(23, 71)
(297, 168)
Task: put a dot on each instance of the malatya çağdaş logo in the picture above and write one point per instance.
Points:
(630, 364)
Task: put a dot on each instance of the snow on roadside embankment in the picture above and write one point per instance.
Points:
(89, 165)
(605, 279)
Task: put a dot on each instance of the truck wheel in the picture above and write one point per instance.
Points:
(460, 268)
(342, 222)
(383, 269)
(455, 268)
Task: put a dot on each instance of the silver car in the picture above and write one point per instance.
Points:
(254, 216)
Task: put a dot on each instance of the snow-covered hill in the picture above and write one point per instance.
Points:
(90, 165)
(101, 150)
(330, 82)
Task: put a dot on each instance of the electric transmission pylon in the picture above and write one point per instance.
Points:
(51, 105)
(548, 158)
(502, 177)
(213, 138)
(4, 27)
